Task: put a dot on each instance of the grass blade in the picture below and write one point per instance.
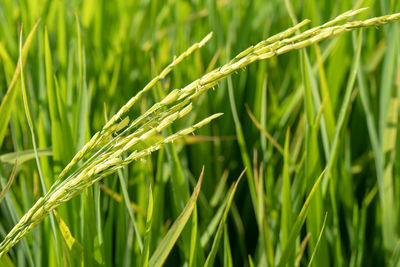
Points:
(214, 248)
(286, 201)
(30, 123)
(298, 224)
(7, 102)
(162, 251)
(73, 245)
(9, 183)
(144, 261)
(318, 240)
(24, 156)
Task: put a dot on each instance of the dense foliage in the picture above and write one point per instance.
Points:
(311, 128)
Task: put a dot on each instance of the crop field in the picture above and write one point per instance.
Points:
(200, 133)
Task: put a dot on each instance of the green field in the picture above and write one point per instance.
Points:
(130, 135)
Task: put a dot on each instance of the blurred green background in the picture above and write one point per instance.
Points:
(103, 52)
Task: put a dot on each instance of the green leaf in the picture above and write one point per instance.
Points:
(286, 201)
(162, 251)
(25, 155)
(10, 181)
(7, 104)
(73, 245)
(214, 248)
(298, 224)
(144, 261)
(318, 240)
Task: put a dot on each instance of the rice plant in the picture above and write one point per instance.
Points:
(321, 167)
